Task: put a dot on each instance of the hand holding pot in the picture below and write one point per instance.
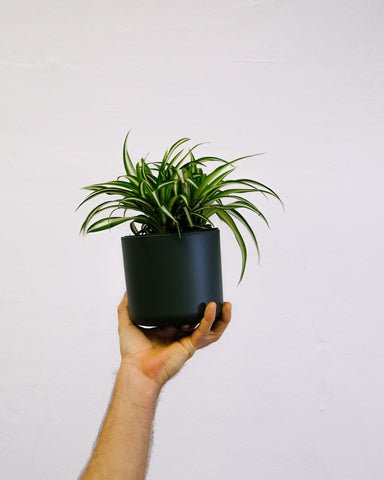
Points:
(159, 353)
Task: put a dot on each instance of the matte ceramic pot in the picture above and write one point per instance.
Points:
(170, 280)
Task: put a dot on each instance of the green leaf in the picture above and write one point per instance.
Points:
(185, 199)
(180, 175)
(169, 214)
(173, 160)
(94, 188)
(190, 222)
(223, 194)
(138, 172)
(136, 203)
(175, 188)
(154, 194)
(252, 207)
(106, 223)
(206, 220)
(216, 172)
(206, 187)
(162, 185)
(149, 221)
(176, 195)
(128, 165)
(131, 179)
(171, 150)
(189, 180)
(249, 182)
(225, 217)
(189, 153)
(100, 187)
(133, 228)
(95, 211)
(240, 217)
(95, 194)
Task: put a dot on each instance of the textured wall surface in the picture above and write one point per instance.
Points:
(294, 390)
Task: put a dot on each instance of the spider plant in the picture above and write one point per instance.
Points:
(175, 195)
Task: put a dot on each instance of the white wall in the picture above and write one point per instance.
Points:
(294, 390)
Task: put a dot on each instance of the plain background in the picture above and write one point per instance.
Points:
(295, 389)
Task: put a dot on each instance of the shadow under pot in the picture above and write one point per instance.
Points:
(170, 280)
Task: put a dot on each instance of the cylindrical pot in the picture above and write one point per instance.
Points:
(170, 280)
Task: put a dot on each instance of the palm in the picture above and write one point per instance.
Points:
(159, 353)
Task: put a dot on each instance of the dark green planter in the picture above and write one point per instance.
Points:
(169, 279)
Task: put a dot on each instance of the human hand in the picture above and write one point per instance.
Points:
(159, 353)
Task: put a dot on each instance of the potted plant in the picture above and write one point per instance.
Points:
(172, 260)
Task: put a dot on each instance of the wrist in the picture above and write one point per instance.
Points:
(131, 381)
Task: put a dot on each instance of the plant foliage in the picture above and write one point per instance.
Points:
(175, 195)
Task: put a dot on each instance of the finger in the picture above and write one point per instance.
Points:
(219, 326)
(222, 323)
(199, 335)
(125, 321)
(131, 337)
(122, 313)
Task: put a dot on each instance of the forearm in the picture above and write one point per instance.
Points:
(122, 449)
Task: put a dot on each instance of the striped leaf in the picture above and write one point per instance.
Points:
(175, 194)
(128, 165)
(226, 218)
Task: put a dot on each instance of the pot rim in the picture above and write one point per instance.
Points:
(171, 234)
